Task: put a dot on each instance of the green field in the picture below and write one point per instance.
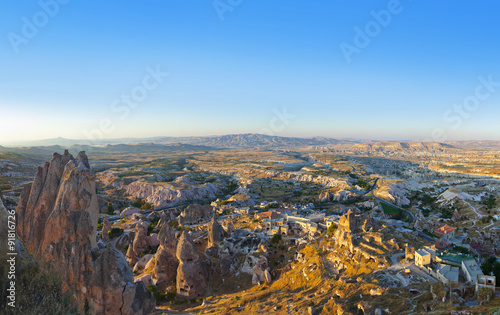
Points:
(388, 209)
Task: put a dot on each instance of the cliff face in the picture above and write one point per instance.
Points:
(57, 219)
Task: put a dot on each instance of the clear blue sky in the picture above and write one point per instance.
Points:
(60, 78)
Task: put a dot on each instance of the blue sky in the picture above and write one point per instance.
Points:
(232, 75)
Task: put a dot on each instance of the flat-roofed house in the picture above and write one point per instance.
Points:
(445, 233)
(471, 270)
(422, 258)
(447, 273)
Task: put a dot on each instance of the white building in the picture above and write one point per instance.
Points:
(471, 270)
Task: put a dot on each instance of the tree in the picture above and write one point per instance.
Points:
(111, 210)
(331, 229)
(276, 238)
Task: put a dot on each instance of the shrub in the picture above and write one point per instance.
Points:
(159, 296)
(115, 232)
(276, 238)
(331, 229)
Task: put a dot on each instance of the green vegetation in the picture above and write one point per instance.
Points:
(38, 293)
(141, 204)
(491, 265)
(460, 249)
(490, 202)
(115, 232)
(231, 186)
(111, 210)
(363, 184)
(331, 229)
(388, 209)
(159, 296)
(487, 219)
(276, 238)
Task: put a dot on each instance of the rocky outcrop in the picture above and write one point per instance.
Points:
(106, 228)
(166, 262)
(215, 233)
(392, 192)
(57, 220)
(195, 214)
(161, 196)
(192, 278)
(325, 196)
(326, 181)
(257, 267)
(342, 195)
(113, 290)
(141, 243)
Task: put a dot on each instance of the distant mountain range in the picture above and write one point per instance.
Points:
(254, 140)
(251, 140)
(225, 141)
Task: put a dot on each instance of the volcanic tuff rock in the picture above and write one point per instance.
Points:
(141, 242)
(106, 227)
(215, 233)
(322, 180)
(195, 214)
(113, 288)
(192, 278)
(57, 219)
(161, 196)
(166, 262)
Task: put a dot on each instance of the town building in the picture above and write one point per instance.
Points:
(471, 270)
(446, 273)
(422, 258)
(445, 233)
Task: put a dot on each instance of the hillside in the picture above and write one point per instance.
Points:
(402, 147)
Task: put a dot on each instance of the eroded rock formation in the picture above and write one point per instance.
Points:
(166, 262)
(195, 214)
(57, 220)
(192, 275)
(216, 233)
(106, 227)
